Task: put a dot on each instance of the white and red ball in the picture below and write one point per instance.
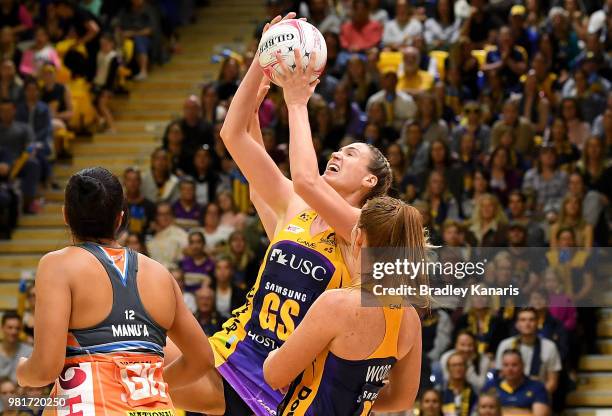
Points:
(284, 38)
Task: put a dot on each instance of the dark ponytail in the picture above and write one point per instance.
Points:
(93, 201)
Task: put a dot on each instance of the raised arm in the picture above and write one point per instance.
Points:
(252, 159)
(307, 182)
(266, 214)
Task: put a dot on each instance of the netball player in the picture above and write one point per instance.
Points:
(304, 259)
(103, 313)
(337, 366)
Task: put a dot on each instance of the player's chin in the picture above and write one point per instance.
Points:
(331, 178)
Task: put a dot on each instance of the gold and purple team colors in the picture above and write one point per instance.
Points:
(297, 269)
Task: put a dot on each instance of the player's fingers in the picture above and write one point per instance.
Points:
(284, 69)
(290, 15)
(298, 61)
(311, 64)
(266, 27)
(276, 20)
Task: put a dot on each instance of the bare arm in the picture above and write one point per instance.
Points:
(312, 336)
(307, 182)
(266, 214)
(51, 320)
(399, 394)
(187, 335)
(552, 381)
(252, 159)
(540, 409)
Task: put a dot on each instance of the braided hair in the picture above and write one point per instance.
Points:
(379, 166)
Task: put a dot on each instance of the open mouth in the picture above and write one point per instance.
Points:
(332, 167)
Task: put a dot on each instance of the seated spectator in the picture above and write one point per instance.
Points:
(578, 131)
(504, 177)
(567, 152)
(399, 106)
(458, 396)
(39, 54)
(592, 207)
(105, 80)
(479, 23)
(141, 210)
(169, 241)
(481, 320)
(206, 314)
(534, 105)
(230, 216)
(570, 216)
(377, 13)
(414, 147)
(137, 243)
(322, 15)
(437, 328)
(34, 112)
(539, 355)
(488, 222)
(11, 349)
(442, 203)
(588, 91)
(507, 58)
(560, 305)
(549, 327)
(197, 266)
(180, 160)
(244, 261)
(520, 130)
(412, 79)
(212, 110)
(359, 80)
(83, 28)
(546, 181)
(523, 36)
(473, 125)
(595, 168)
(188, 297)
(10, 83)
(8, 47)
(137, 22)
(517, 214)
(397, 163)
(187, 211)
(208, 181)
(228, 294)
(477, 364)
(516, 391)
(59, 100)
(196, 131)
(360, 33)
(399, 31)
(17, 137)
(16, 17)
(346, 112)
(428, 116)
(443, 28)
(430, 403)
(229, 77)
(8, 390)
(159, 184)
(216, 234)
(488, 405)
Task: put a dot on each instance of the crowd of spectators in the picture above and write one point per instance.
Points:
(496, 118)
(61, 62)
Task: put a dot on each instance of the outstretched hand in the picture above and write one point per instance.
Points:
(296, 84)
(264, 87)
(277, 19)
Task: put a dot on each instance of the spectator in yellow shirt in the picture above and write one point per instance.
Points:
(413, 80)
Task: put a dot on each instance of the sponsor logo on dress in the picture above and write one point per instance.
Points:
(294, 229)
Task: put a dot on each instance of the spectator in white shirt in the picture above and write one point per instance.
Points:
(401, 103)
(169, 241)
(400, 30)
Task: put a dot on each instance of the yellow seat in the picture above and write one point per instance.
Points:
(389, 61)
(440, 57)
(481, 56)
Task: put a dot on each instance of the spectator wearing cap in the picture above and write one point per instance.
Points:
(513, 131)
(169, 241)
(413, 80)
(523, 36)
(360, 33)
(518, 394)
(540, 355)
(509, 59)
(399, 106)
(16, 138)
(399, 31)
(517, 213)
(196, 131)
(159, 184)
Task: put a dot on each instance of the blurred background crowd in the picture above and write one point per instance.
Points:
(495, 116)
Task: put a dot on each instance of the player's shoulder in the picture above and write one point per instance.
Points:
(152, 268)
(339, 303)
